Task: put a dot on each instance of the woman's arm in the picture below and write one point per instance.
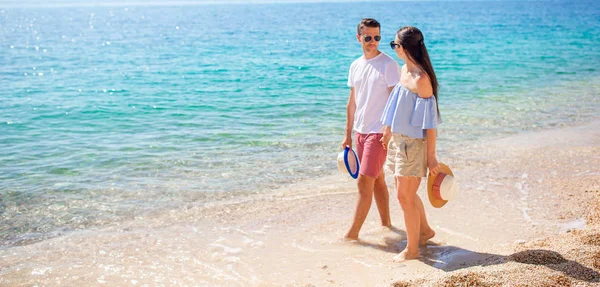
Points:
(432, 162)
(387, 135)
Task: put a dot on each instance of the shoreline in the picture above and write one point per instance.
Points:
(517, 194)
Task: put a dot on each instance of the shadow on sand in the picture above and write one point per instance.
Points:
(451, 258)
(390, 244)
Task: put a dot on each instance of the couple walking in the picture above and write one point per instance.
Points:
(393, 113)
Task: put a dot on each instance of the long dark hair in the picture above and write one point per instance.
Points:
(411, 40)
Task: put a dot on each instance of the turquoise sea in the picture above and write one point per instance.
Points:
(111, 112)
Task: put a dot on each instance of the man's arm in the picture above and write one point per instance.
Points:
(350, 110)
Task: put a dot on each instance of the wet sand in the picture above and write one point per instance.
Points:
(526, 215)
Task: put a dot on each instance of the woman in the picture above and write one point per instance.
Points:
(410, 119)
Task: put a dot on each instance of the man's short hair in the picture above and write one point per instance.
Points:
(367, 22)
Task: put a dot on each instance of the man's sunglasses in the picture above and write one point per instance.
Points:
(393, 45)
(369, 38)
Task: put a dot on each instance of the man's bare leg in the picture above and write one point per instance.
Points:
(365, 197)
(382, 199)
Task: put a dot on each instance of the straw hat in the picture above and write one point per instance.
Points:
(347, 161)
(441, 187)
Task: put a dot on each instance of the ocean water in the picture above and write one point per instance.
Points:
(112, 112)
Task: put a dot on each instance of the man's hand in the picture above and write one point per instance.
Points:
(347, 142)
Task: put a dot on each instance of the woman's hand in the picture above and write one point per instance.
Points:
(385, 139)
(433, 165)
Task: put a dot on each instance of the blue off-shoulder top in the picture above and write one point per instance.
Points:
(409, 114)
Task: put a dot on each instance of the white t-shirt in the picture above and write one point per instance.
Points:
(371, 79)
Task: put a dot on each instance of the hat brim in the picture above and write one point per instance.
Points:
(348, 162)
(350, 155)
(435, 202)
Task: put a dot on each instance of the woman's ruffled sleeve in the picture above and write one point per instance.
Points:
(425, 114)
(390, 108)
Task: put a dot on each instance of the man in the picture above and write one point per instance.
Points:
(371, 80)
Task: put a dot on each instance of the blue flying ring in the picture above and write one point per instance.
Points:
(353, 175)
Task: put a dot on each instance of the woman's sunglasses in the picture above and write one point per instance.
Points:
(393, 45)
(369, 38)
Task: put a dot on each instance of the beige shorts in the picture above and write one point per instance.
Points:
(407, 156)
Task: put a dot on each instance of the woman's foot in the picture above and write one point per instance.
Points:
(406, 255)
(426, 236)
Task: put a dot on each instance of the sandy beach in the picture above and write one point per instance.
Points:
(526, 215)
(195, 143)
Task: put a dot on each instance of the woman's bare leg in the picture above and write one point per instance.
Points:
(407, 195)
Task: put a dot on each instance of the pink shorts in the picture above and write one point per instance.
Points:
(371, 154)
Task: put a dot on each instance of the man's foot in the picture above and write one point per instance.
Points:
(425, 237)
(406, 255)
(350, 237)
